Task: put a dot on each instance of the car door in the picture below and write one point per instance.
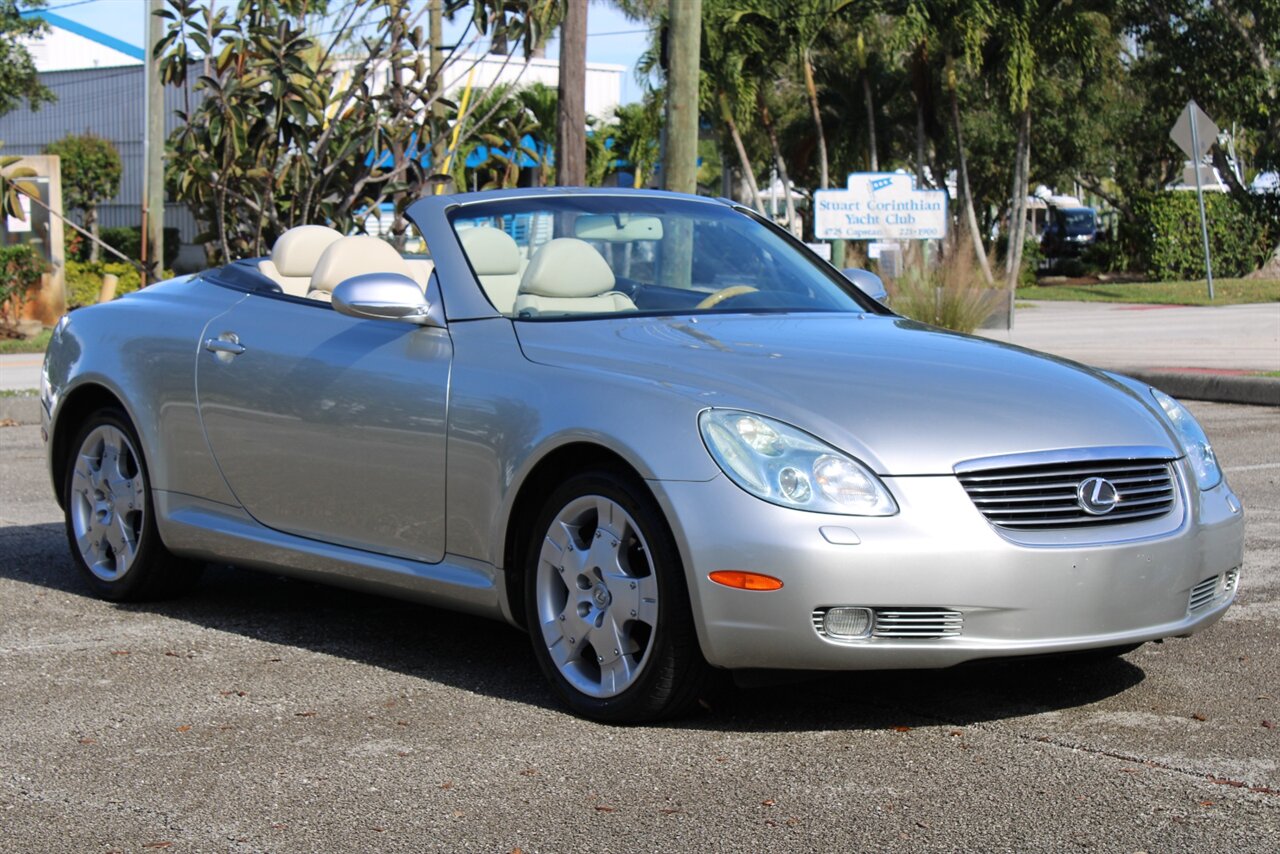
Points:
(329, 426)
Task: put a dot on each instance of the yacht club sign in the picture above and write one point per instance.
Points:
(880, 206)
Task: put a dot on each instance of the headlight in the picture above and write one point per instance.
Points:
(1194, 441)
(782, 465)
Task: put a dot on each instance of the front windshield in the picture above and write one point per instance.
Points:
(1078, 221)
(551, 257)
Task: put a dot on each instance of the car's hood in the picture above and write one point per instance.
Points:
(905, 398)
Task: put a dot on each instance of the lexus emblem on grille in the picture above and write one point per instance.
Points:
(1097, 496)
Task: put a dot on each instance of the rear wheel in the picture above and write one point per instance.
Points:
(109, 517)
(607, 604)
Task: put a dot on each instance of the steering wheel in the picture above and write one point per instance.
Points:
(713, 300)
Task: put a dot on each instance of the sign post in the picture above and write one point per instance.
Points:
(1194, 132)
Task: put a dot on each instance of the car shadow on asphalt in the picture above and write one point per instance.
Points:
(491, 658)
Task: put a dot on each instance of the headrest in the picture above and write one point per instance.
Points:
(298, 249)
(567, 267)
(491, 251)
(353, 256)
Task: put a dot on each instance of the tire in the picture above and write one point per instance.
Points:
(607, 604)
(110, 518)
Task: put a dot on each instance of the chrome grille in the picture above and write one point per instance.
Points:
(1213, 588)
(1045, 495)
(923, 623)
(916, 623)
(1203, 593)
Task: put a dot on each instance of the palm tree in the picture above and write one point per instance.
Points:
(571, 123)
(960, 30)
(542, 101)
(727, 86)
(1032, 33)
(801, 23)
(637, 129)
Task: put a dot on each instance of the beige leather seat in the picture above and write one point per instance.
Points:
(354, 256)
(294, 257)
(496, 258)
(568, 276)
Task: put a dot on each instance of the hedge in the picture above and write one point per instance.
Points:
(1167, 242)
(84, 280)
(128, 239)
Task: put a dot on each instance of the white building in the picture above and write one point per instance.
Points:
(68, 45)
(604, 81)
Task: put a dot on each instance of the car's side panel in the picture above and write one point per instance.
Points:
(331, 427)
(210, 531)
(507, 413)
(142, 349)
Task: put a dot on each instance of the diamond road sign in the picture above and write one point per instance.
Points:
(1201, 136)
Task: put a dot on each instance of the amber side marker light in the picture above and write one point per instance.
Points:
(745, 580)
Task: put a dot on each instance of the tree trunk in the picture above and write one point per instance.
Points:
(871, 120)
(1018, 226)
(920, 145)
(571, 117)
(91, 220)
(1016, 206)
(971, 218)
(772, 132)
(817, 126)
(435, 37)
(748, 171)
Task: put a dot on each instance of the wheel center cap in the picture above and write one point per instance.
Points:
(601, 597)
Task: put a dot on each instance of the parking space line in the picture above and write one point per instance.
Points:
(1253, 467)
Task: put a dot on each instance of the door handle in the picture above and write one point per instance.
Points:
(227, 343)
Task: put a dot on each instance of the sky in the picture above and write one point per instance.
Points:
(610, 36)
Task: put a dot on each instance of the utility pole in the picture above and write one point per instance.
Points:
(571, 117)
(153, 203)
(684, 46)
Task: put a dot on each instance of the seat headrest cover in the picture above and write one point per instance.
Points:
(491, 251)
(354, 256)
(298, 249)
(567, 267)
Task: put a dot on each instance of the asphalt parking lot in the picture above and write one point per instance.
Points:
(261, 714)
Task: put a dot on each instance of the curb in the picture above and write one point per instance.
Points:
(24, 408)
(1220, 388)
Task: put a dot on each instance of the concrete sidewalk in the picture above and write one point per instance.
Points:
(1197, 352)
(19, 371)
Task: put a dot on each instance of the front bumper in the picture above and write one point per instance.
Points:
(940, 553)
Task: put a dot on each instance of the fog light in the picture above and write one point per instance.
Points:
(847, 622)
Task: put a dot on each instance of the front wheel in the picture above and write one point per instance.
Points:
(110, 521)
(607, 604)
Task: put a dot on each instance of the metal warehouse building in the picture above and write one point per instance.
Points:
(106, 99)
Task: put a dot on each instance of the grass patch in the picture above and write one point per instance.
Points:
(1226, 292)
(1275, 374)
(19, 392)
(18, 345)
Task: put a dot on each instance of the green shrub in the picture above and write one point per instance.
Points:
(84, 280)
(20, 269)
(128, 239)
(1165, 234)
(1031, 258)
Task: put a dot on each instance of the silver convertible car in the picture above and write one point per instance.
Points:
(652, 429)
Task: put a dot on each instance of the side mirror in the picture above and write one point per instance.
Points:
(385, 296)
(869, 283)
